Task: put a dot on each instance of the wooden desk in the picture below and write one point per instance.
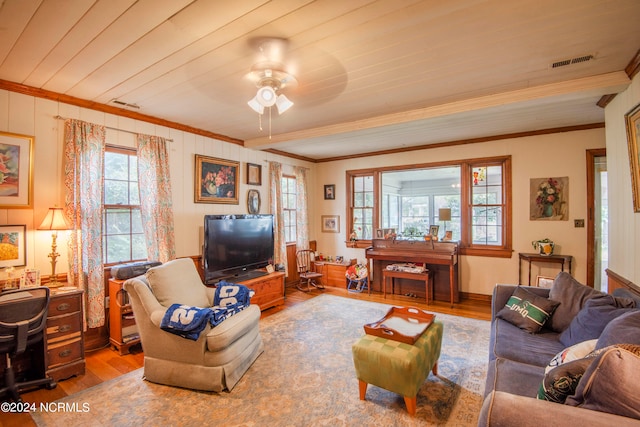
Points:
(438, 257)
(391, 274)
(555, 259)
(333, 273)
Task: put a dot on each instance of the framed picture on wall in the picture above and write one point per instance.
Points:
(632, 119)
(16, 170)
(330, 223)
(216, 180)
(13, 248)
(254, 174)
(330, 192)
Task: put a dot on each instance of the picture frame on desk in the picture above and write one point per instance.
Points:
(544, 282)
(30, 278)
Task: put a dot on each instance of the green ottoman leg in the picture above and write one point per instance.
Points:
(395, 366)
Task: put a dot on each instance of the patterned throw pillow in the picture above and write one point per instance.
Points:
(569, 354)
(527, 310)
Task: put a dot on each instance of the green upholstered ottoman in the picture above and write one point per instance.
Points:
(396, 366)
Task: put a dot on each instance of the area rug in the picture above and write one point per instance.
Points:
(305, 377)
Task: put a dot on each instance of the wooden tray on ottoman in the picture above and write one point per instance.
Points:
(404, 324)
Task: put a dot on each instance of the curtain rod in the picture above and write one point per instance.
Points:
(58, 117)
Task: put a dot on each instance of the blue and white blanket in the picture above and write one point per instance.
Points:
(188, 322)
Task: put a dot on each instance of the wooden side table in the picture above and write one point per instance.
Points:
(556, 259)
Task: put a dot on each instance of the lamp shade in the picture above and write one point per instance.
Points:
(283, 104)
(444, 214)
(54, 220)
(266, 96)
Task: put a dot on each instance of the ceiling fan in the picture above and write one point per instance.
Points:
(270, 76)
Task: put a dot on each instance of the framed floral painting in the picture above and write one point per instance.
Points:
(13, 250)
(16, 170)
(549, 199)
(216, 180)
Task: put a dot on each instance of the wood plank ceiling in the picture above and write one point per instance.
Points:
(371, 75)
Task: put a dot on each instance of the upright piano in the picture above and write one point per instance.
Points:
(441, 258)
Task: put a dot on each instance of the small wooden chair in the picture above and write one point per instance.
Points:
(308, 277)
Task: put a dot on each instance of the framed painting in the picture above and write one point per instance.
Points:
(216, 180)
(549, 199)
(330, 192)
(632, 119)
(16, 170)
(330, 223)
(544, 282)
(254, 174)
(13, 250)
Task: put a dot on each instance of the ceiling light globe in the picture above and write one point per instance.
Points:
(266, 96)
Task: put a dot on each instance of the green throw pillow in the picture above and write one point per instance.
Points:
(527, 310)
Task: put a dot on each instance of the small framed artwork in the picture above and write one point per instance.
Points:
(216, 180)
(16, 170)
(632, 119)
(544, 282)
(330, 223)
(339, 258)
(12, 246)
(379, 233)
(433, 231)
(448, 236)
(254, 174)
(30, 278)
(330, 192)
(253, 201)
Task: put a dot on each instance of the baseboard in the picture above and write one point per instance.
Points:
(475, 297)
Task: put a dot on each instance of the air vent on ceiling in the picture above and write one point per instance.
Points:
(571, 61)
(124, 104)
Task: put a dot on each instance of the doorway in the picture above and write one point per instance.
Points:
(597, 220)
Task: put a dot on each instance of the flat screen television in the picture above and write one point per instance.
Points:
(236, 246)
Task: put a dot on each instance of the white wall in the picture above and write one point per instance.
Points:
(624, 224)
(28, 115)
(557, 155)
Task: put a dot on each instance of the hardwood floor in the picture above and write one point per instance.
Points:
(105, 364)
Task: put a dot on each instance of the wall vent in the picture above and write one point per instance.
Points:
(124, 104)
(571, 61)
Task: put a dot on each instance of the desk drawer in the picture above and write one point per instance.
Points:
(65, 351)
(64, 305)
(61, 326)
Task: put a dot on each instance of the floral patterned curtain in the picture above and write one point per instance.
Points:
(302, 215)
(156, 206)
(84, 164)
(275, 201)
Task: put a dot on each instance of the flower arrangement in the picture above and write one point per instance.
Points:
(548, 194)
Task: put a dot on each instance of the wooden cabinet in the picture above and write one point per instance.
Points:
(333, 273)
(269, 290)
(65, 337)
(123, 332)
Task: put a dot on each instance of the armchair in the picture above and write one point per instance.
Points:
(220, 356)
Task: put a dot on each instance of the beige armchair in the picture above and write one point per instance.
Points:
(220, 356)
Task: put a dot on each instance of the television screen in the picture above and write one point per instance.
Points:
(236, 245)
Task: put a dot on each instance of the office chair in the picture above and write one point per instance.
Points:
(23, 317)
(307, 275)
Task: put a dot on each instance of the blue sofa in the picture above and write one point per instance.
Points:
(517, 358)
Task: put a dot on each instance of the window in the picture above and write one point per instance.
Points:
(362, 206)
(289, 207)
(123, 234)
(409, 199)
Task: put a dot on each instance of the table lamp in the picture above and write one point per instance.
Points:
(444, 214)
(54, 221)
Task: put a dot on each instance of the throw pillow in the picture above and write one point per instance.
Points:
(178, 282)
(572, 295)
(562, 381)
(594, 317)
(608, 384)
(623, 329)
(527, 310)
(569, 354)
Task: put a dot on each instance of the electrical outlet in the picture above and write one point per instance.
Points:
(578, 223)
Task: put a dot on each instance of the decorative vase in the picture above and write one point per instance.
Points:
(544, 246)
(547, 211)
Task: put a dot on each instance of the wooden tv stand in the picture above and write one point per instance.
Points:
(269, 289)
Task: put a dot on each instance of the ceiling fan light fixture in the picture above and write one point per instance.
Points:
(266, 96)
(283, 103)
(255, 105)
